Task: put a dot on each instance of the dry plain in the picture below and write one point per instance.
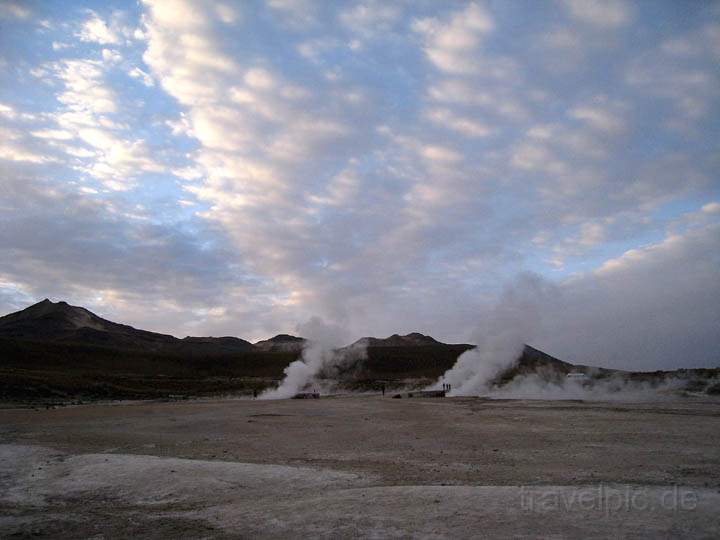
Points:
(362, 466)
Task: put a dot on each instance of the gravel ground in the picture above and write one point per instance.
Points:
(362, 466)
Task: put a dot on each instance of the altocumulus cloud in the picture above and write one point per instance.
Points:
(239, 167)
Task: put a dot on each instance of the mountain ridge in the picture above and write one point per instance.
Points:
(281, 343)
(52, 350)
(60, 321)
(414, 339)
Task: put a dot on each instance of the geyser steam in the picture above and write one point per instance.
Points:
(501, 336)
(320, 353)
(525, 309)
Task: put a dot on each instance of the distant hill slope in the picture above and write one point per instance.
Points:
(414, 339)
(53, 350)
(61, 322)
(282, 343)
(535, 361)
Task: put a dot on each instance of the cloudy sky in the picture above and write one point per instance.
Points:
(214, 168)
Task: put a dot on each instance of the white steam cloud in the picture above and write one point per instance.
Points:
(617, 388)
(525, 310)
(501, 336)
(319, 354)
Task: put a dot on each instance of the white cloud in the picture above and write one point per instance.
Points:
(680, 70)
(711, 208)
(259, 79)
(96, 30)
(9, 9)
(296, 12)
(537, 157)
(84, 90)
(87, 104)
(601, 13)
(137, 73)
(370, 17)
(58, 134)
(227, 13)
(493, 101)
(453, 45)
(340, 190)
(181, 126)
(466, 126)
(178, 14)
(112, 56)
(653, 307)
(12, 151)
(599, 118)
(440, 153)
(313, 49)
(185, 53)
(7, 110)
(591, 234)
(188, 173)
(17, 145)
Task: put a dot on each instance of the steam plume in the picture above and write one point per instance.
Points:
(617, 388)
(319, 354)
(505, 329)
(501, 336)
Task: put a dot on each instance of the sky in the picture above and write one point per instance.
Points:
(238, 168)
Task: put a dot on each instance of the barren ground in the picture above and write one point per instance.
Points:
(362, 466)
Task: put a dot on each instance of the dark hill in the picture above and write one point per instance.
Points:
(414, 339)
(432, 358)
(534, 361)
(56, 351)
(60, 322)
(282, 343)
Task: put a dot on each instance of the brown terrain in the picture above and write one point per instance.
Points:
(56, 353)
(362, 467)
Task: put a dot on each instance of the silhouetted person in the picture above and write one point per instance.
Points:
(382, 387)
(254, 393)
